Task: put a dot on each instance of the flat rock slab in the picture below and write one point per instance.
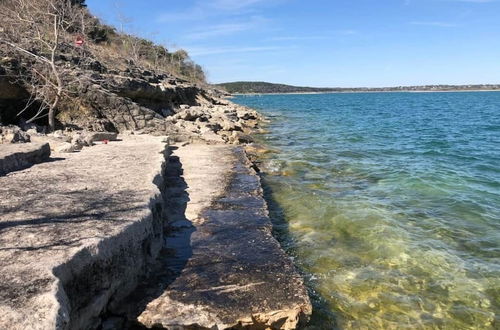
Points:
(17, 156)
(228, 271)
(74, 232)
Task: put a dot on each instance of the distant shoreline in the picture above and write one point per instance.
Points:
(259, 87)
(360, 92)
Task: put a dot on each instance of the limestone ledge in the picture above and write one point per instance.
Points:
(17, 156)
(77, 233)
(236, 275)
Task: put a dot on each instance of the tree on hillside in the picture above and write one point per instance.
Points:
(36, 32)
(179, 56)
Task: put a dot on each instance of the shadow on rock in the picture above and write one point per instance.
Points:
(171, 260)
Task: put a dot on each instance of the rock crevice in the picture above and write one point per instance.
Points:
(233, 273)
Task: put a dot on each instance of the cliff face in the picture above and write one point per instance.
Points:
(134, 99)
(102, 99)
(113, 82)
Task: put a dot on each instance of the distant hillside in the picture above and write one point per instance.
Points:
(265, 87)
(259, 87)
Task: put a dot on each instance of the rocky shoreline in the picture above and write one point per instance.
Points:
(76, 252)
(109, 149)
(90, 212)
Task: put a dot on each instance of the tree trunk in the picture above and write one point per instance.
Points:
(52, 113)
(55, 72)
(52, 120)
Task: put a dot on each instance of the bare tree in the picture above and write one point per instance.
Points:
(36, 32)
(124, 21)
(130, 42)
(180, 56)
(134, 47)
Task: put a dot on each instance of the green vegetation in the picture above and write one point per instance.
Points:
(259, 87)
(244, 87)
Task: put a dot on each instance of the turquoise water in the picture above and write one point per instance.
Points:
(390, 205)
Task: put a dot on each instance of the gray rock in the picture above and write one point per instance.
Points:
(246, 115)
(13, 134)
(113, 323)
(78, 140)
(235, 275)
(14, 157)
(239, 137)
(78, 232)
(189, 114)
(91, 137)
(32, 131)
(66, 148)
(60, 135)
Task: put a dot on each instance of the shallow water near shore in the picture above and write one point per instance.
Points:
(390, 205)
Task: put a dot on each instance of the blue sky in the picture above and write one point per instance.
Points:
(347, 43)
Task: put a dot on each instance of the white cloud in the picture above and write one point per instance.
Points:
(437, 24)
(227, 28)
(198, 51)
(210, 8)
(230, 5)
(326, 36)
(296, 38)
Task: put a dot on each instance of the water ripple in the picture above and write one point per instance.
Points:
(390, 204)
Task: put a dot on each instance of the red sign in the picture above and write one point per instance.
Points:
(79, 41)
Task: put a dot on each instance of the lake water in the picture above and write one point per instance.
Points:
(389, 204)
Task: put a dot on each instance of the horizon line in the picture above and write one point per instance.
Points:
(361, 87)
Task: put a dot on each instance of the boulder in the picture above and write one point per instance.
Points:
(60, 135)
(256, 149)
(66, 148)
(228, 125)
(91, 137)
(14, 157)
(32, 131)
(13, 134)
(246, 115)
(78, 142)
(25, 126)
(189, 114)
(239, 137)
